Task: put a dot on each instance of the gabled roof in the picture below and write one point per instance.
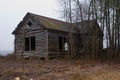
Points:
(87, 26)
(51, 23)
(48, 23)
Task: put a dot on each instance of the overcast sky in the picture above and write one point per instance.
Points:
(13, 11)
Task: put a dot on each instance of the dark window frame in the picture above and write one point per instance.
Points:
(30, 43)
(29, 23)
(27, 44)
(62, 40)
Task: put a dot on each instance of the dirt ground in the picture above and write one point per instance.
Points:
(57, 70)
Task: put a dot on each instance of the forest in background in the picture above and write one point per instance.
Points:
(107, 14)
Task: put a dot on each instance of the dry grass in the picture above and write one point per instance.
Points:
(57, 70)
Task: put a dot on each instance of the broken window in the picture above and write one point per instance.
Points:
(32, 43)
(29, 43)
(29, 23)
(60, 43)
(63, 43)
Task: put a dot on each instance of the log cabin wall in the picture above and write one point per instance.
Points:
(50, 36)
(40, 43)
(53, 43)
(41, 40)
(19, 42)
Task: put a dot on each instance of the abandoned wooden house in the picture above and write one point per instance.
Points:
(41, 36)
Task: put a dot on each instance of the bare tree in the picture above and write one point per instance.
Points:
(107, 14)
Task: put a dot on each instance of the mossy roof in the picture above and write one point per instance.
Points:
(55, 24)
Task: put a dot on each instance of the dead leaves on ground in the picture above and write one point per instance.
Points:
(57, 70)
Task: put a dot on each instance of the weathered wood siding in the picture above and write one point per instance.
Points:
(42, 44)
(41, 40)
(53, 42)
(19, 44)
(53, 45)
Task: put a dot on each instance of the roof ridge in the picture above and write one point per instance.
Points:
(46, 17)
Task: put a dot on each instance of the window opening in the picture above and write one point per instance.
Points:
(29, 43)
(32, 43)
(26, 44)
(29, 23)
(60, 43)
(63, 43)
